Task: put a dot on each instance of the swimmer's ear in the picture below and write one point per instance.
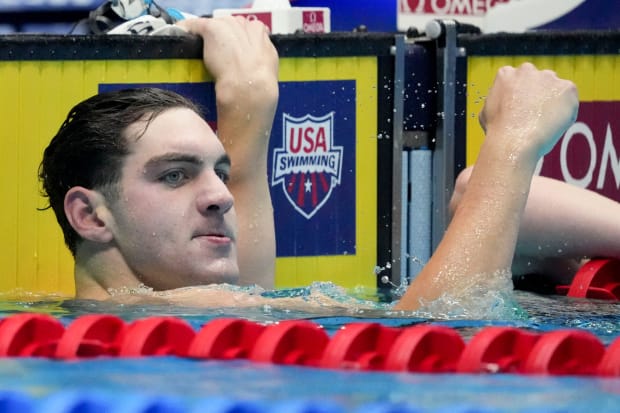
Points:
(85, 209)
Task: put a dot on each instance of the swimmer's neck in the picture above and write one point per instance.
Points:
(100, 269)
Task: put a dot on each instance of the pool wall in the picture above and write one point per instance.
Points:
(384, 117)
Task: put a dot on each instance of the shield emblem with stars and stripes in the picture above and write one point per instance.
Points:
(308, 165)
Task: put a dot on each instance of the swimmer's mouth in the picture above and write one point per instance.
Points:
(224, 235)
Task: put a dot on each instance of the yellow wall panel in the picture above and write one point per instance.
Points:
(9, 138)
(37, 96)
(596, 78)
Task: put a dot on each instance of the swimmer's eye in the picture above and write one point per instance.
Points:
(174, 178)
(224, 175)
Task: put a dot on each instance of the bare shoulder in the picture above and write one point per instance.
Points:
(229, 296)
(209, 296)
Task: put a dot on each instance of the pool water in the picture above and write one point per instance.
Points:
(190, 382)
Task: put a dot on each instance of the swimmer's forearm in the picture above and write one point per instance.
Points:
(246, 99)
(245, 117)
(245, 111)
(525, 113)
(562, 220)
(483, 232)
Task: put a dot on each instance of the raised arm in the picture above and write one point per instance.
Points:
(525, 114)
(244, 63)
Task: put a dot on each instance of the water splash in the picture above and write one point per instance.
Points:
(485, 297)
(141, 289)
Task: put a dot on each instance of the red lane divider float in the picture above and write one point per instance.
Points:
(423, 348)
(497, 350)
(157, 336)
(565, 352)
(598, 278)
(91, 336)
(29, 335)
(610, 364)
(362, 346)
(290, 342)
(225, 338)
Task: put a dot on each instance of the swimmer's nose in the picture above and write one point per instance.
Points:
(215, 196)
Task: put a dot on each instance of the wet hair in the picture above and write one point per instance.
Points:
(91, 144)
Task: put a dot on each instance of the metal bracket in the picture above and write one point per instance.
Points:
(397, 162)
(443, 156)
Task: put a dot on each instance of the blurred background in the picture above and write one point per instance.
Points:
(60, 16)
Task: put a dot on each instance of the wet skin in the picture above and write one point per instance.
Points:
(174, 222)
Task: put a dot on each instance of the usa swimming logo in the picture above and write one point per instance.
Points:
(308, 165)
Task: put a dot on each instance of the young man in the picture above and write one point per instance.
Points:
(150, 201)
(138, 179)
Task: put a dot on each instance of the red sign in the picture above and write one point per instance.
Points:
(264, 17)
(588, 155)
(313, 21)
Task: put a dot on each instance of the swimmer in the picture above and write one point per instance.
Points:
(143, 189)
(147, 195)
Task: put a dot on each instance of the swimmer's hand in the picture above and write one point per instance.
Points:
(238, 53)
(532, 108)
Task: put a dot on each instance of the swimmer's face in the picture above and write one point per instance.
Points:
(174, 221)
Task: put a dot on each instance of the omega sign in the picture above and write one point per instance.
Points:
(449, 7)
(588, 154)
